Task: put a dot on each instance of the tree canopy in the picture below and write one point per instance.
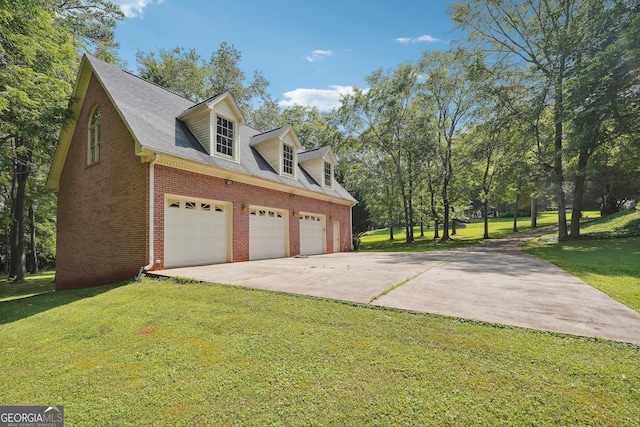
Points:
(540, 105)
(40, 43)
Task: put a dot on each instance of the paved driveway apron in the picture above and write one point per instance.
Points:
(492, 282)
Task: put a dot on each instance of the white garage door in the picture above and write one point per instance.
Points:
(267, 233)
(195, 232)
(311, 234)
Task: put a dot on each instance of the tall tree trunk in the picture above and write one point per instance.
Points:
(390, 213)
(7, 259)
(22, 169)
(434, 211)
(485, 216)
(12, 225)
(13, 233)
(32, 255)
(448, 173)
(407, 224)
(534, 212)
(445, 220)
(410, 239)
(557, 161)
(407, 215)
(578, 193)
(421, 228)
(515, 214)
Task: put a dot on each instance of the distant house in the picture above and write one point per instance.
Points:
(148, 179)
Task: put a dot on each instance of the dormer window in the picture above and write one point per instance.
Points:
(224, 137)
(327, 174)
(95, 135)
(287, 159)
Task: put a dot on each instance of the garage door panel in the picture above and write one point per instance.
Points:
(267, 233)
(312, 234)
(195, 233)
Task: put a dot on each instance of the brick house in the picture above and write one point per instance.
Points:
(149, 180)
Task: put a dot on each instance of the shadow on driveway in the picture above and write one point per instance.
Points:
(492, 282)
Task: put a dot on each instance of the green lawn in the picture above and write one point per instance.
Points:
(607, 257)
(162, 352)
(34, 284)
(167, 353)
(466, 234)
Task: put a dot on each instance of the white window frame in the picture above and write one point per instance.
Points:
(94, 137)
(327, 175)
(288, 158)
(232, 138)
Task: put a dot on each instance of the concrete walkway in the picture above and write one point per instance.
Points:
(492, 282)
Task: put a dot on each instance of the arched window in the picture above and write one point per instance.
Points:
(95, 135)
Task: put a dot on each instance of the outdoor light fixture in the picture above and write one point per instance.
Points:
(229, 182)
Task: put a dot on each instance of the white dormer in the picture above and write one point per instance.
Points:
(320, 164)
(216, 125)
(279, 147)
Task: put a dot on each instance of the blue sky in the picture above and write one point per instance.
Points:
(309, 51)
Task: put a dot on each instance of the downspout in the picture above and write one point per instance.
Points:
(151, 213)
(351, 227)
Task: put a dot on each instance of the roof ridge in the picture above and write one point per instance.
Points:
(272, 130)
(197, 104)
(315, 149)
(92, 57)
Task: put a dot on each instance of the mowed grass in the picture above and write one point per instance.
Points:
(607, 257)
(178, 354)
(34, 284)
(466, 234)
(162, 352)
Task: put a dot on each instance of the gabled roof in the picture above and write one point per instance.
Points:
(209, 103)
(318, 153)
(152, 115)
(278, 133)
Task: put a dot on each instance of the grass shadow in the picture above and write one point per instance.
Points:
(34, 284)
(15, 309)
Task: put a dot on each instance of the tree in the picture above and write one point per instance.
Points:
(385, 122)
(178, 70)
(602, 96)
(92, 22)
(451, 85)
(314, 128)
(38, 57)
(541, 34)
(187, 74)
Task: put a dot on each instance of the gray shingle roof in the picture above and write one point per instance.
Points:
(266, 136)
(151, 113)
(318, 153)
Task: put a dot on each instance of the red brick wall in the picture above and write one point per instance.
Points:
(183, 183)
(102, 208)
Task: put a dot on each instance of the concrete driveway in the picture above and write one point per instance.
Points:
(492, 282)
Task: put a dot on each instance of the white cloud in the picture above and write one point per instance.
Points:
(134, 8)
(422, 39)
(317, 55)
(324, 99)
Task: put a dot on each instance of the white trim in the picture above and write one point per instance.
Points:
(91, 128)
(219, 172)
(235, 140)
(151, 211)
(294, 165)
